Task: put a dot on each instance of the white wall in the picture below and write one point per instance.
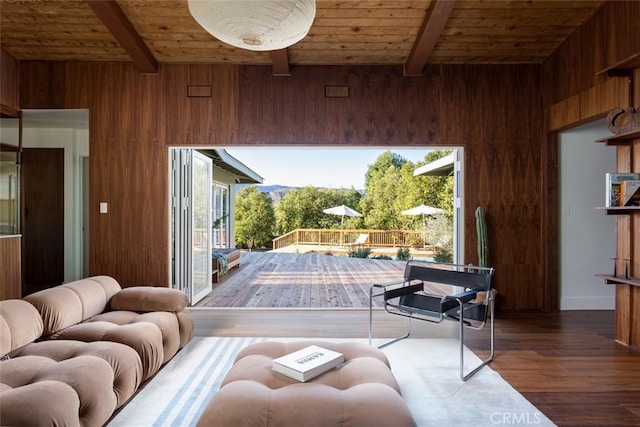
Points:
(67, 130)
(587, 236)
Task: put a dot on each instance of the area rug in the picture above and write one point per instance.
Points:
(426, 370)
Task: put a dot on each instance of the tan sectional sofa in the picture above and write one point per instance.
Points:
(73, 354)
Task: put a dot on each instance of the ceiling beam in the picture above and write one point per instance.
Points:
(280, 60)
(122, 30)
(432, 27)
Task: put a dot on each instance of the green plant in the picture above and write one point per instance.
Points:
(359, 252)
(443, 254)
(381, 257)
(483, 244)
(404, 254)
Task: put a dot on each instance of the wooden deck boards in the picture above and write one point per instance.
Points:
(272, 279)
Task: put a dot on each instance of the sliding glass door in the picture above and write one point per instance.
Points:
(191, 174)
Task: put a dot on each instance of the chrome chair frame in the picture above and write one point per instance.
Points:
(436, 308)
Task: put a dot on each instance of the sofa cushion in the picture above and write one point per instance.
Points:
(57, 404)
(75, 302)
(124, 361)
(165, 321)
(147, 298)
(90, 377)
(144, 337)
(20, 324)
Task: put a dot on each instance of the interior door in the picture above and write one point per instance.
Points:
(43, 218)
(191, 175)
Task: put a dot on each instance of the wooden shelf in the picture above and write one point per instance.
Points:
(621, 210)
(621, 138)
(614, 280)
(622, 68)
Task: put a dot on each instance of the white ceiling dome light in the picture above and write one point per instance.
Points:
(255, 24)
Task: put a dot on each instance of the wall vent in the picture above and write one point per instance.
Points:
(199, 91)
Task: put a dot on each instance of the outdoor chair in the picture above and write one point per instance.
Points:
(361, 240)
(470, 303)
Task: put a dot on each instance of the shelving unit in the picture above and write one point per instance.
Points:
(622, 68)
(622, 210)
(621, 138)
(627, 290)
(615, 280)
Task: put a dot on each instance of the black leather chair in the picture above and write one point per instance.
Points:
(470, 303)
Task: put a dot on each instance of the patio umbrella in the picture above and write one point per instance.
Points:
(343, 211)
(423, 210)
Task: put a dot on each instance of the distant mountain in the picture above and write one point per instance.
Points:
(275, 192)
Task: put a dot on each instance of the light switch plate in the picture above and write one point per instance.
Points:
(103, 207)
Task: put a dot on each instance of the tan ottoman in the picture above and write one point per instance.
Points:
(360, 392)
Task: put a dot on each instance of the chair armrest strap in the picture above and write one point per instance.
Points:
(403, 290)
(463, 296)
(387, 284)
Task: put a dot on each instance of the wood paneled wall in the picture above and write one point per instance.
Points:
(606, 39)
(493, 111)
(10, 271)
(9, 80)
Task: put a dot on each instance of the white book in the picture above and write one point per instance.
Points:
(307, 363)
(612, 191)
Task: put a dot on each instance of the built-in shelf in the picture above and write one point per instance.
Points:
(622, 68)
(621, 138)
(615, 280)
(620, 210)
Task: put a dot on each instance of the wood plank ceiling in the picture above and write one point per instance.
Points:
(358, 32)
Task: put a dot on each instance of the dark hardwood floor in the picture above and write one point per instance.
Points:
(568, 365)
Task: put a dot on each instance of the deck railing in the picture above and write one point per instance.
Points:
(333, 237)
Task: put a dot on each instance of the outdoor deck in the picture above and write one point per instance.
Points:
(300, 280)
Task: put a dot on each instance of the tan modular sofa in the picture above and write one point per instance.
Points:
(73, 354)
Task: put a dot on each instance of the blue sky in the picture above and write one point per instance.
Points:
(318, 167)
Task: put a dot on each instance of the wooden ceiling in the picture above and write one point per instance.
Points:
(372, 32)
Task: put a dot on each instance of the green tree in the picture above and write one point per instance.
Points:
(382, 184)
(302, 208)
(382, 165)
(392, 188)
(255, 219)
(436, 191)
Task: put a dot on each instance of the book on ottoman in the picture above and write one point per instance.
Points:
(307, 363)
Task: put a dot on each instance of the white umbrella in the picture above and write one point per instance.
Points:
(423, 210)
(343, 211)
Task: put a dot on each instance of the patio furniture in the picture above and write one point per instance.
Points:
(362, 390)
(469, 302)
(361, 240)
(222, 260)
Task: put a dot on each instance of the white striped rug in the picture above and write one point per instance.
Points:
(426, 370)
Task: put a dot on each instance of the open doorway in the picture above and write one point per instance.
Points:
(233, 166)
(587, 236)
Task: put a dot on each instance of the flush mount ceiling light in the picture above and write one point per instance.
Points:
(255, 24)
